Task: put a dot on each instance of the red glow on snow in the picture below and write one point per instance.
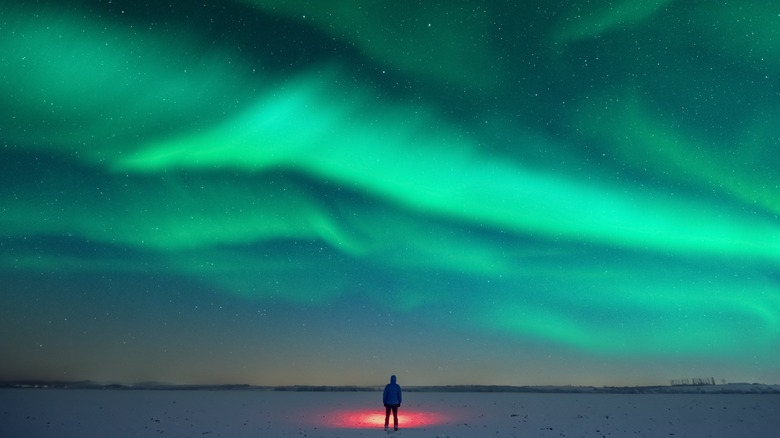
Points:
(375, 418)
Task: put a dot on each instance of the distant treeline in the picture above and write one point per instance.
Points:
(695, 381)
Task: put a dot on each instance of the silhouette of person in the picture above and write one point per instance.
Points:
(392, 400)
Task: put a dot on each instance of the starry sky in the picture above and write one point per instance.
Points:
(327, 192)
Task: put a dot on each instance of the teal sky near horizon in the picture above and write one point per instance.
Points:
(463, 192)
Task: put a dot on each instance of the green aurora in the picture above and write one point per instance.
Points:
(506, 191)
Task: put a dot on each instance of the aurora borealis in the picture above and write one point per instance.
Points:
(330, 192)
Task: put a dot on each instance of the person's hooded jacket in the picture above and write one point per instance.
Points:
(392, 394)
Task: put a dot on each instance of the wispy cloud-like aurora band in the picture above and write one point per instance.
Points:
(625, 233)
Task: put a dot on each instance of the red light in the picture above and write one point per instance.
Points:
(369, 419)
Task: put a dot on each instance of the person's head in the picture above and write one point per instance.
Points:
(392, 378)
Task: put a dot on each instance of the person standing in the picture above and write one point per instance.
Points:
(392, 400)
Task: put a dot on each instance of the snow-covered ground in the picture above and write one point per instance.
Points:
(160, 413)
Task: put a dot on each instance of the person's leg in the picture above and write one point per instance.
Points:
(387, 415)
(395, 416)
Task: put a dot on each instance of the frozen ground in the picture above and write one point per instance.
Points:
(147, 413)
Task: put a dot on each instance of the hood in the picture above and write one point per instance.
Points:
(392, 379)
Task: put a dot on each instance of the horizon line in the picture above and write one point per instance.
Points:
(730, 387)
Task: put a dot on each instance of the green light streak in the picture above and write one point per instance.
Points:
(435, 170)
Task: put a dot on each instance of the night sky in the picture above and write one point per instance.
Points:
(327, 192)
